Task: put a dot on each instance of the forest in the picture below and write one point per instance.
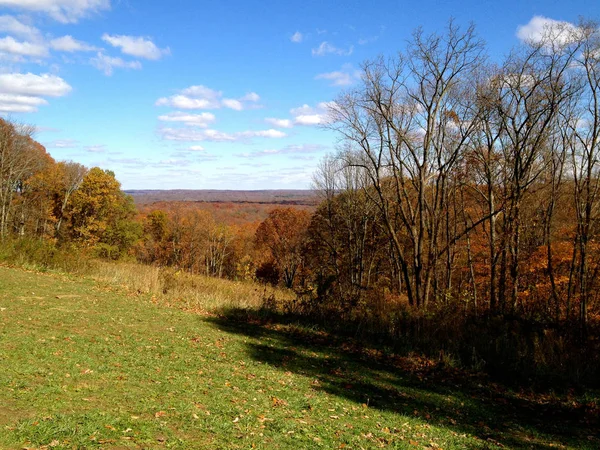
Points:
(459, 217)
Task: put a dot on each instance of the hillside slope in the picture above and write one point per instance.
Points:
(85, 365)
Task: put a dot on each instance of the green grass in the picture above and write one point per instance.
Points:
(87, 365)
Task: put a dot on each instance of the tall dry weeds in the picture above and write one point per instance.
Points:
(181, 289)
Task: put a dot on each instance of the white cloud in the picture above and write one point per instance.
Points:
(297, 37)
(22, 99)
(326, 106)
(202, 120)
(344, 77)
(65, 11)
(70, 45)
(271, 133)
(307, 115)
(295, 150)
(24, 92)
(201, 91)
(172, 163)
(326, 49)
(12, 46)
(195, 135)
(310, 119)
(544, 30)
(10, 103)
(193, 97)
(15, 108)
(196, 148)
(130, 162)
(233, 104)
(11, 25)
(107, 64)
(33, 85)
(296, 175)
(11, 58)
(304, 109)
(202, 97)
(34, 45)
(279, 123)
(304, 115)
(63, 143)
(250, 97)
(137, 46)
(96, 148)
(185, 102)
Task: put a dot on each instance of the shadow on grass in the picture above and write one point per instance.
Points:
(412, 386)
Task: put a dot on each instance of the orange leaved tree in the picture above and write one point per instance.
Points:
(281, 235)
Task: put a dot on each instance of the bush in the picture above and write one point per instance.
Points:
(42, 255)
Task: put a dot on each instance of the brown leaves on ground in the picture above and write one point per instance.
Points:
(277, 402)
(569, 408)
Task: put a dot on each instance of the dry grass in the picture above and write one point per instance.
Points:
(166, 285)
(184, 290)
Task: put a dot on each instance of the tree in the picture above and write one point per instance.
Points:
(219, 238)
(20, 158)
(71, 175)
(282, 234)
(154, 247)
(406, 127)
(582, 136)
(52, 188)
(530, 91)
(100, 214)
(344, 233)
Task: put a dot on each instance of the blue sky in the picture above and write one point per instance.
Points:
(216, 95)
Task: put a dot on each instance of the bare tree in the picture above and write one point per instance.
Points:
(530, 89)
(582, 127)
(341, 231)
(406, 127)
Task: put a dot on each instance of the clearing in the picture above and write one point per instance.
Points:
(87, 365)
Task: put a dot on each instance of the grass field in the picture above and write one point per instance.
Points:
(86, 364)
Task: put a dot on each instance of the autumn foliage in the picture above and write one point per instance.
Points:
(62, 202)
(459, 217)
(280, 239)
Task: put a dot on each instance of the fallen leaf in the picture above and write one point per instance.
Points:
(278, 402)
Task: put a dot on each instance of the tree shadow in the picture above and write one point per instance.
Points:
(464, 402)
